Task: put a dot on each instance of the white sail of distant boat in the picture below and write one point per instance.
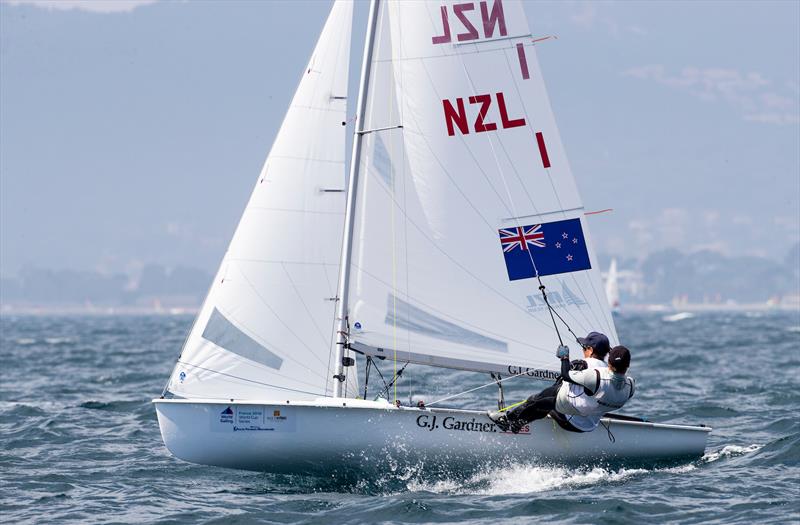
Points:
(461, 244)
(612, 286)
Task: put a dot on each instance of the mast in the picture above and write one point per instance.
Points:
(347, 243)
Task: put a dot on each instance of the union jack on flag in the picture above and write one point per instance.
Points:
(521, 237)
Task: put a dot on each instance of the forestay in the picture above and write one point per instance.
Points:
(265, 329)
(454, 208)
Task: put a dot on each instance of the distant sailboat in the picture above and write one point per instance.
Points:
(460, 204)
(612, 287)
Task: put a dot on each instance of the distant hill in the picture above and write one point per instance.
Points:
(155, 287)
(699, 277)
(708, 276)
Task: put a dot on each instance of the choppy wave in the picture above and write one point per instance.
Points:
(79, 442)
(730, 451)
(681, 316)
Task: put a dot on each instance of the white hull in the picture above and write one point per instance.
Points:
(341, 435)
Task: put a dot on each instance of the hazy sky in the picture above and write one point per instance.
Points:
(132, 131)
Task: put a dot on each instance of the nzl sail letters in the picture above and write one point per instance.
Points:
(455, 116)
(467, 16)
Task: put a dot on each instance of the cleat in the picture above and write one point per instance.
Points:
(499, 419)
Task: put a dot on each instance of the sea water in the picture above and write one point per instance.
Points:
(79, 440)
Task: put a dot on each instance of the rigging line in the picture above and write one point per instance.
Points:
(500, 172)
(278, 351)
(529, 123)
(547, 302)
(268, 369)
(458, 264)
(425, 141)
(288, 328)
(533, 204)
(251, 380)
(402, 147)
(436, 245)
(611, 437)
(453, 318)
(560, 205)
(394, 380)
(346, 353)
(507, 45)
(191, 330)
(419, 229)
(366, 375)
(596, 319)
(607, 311)
(305, 306)
(385, 384)
(552, 185)
(493, 383)
(511, 199)
(397, 85)
(390, 92)
(553, 311)
(331, 293)
(491, 147)
(509, 407)
(469, 152)
(466, 199)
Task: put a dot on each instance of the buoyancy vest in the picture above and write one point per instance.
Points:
(613, 391)
(583, 423)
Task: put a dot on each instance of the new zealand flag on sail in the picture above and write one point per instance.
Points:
(549, 248)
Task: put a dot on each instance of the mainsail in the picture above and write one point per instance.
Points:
(465, 195)
(266, 328)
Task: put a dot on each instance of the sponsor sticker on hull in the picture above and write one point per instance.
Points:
(433, 422)
(253, 418)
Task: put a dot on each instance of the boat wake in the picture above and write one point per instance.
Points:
(528, 479)
(524, 479)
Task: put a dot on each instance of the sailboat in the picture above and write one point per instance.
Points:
(612, 287)
(457, 241)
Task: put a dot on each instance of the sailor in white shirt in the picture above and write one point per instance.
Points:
(580, 398)
(595, 348)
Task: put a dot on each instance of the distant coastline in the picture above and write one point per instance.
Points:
(191, 310)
